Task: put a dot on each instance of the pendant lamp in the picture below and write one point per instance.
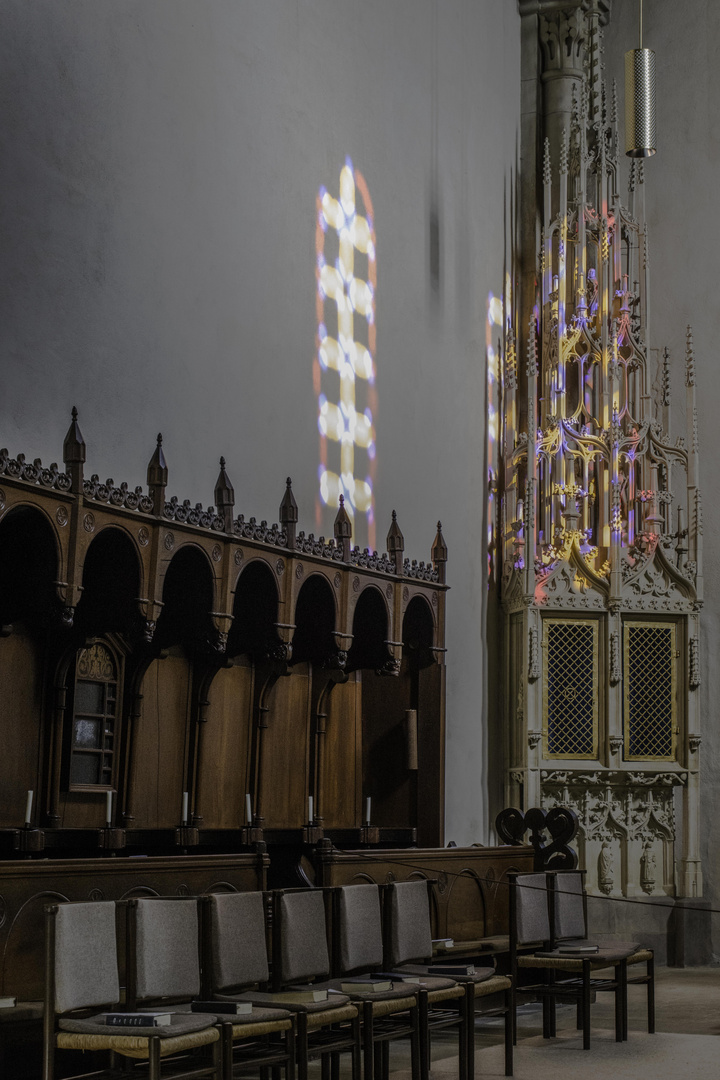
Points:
(640, 100)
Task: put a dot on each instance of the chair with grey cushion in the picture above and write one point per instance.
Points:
(82, 977)
(408, 940)
(239, 968)
(358, 949)
(235, 958)
(568, 911)
(564, 975)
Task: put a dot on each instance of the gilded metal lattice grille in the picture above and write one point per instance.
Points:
(650, 706)
(570, 691)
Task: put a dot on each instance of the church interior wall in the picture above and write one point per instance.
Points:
(159, 180)
(681, 207)
(160, 175)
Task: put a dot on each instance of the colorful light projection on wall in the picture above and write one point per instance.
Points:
(494, 335)
(344, 365)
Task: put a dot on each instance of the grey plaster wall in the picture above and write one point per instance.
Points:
(159, 165)
(681, 183)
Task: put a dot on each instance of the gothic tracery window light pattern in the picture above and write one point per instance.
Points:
(344, 367)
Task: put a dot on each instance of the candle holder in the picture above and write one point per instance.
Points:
(186, 836)
(251, 834)
(29, 840)
(110, 839)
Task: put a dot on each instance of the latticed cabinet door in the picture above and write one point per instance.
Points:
(650, 690)
(570, 688)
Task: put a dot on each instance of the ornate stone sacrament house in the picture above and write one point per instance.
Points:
(602, 520)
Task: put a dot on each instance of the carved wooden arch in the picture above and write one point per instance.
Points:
(184, 545)
(433, 612)
(245, 562)
(318, 575)
(387, 600)
(61, 559)
(120, 528)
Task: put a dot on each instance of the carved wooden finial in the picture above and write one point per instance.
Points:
(343, 529)
(74, 451)
(157, 478)
(439, 553)
(224, 497)
(289, 513)
(395, 539)
(689, 359)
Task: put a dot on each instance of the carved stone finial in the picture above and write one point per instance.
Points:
(614, 104)
(689, 359)
(74, 452)
(224, 497)
(632, 180)
(547, 173)
(157, 477)
(532, 357)
(439, 553)
(564, 151)
(511, 363)
(666, 377)
(342, 529)
(289, 513)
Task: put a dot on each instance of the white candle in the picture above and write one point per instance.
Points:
(367, 810)
(310, 810)
(185, 808)
(28, 808)
(248, 809)
(108, 808)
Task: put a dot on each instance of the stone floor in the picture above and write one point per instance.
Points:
(687, 1020)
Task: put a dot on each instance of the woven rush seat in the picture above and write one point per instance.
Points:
(180, 1024)
(479, 975)
(162, 964)
(398, 992)
(555, 958)
(249, 1024)
(136, 1046)
(270, 1001)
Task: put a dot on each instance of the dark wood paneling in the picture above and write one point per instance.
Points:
(386, 778)
(470, 897)
(286, 751)
(21, 698)
(224, 774)
(25, 888)
(342, 787)
(161, 734)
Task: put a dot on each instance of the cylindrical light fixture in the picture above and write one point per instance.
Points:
(640, 100)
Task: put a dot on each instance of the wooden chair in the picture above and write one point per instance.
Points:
(357, 948)
(568, 910)
(234, 959)
(300, 954)
(408, 940)
(82, 976)
(531, 922)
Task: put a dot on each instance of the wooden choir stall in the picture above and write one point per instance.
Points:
(191, 701)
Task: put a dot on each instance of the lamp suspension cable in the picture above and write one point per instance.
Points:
(640, 138)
